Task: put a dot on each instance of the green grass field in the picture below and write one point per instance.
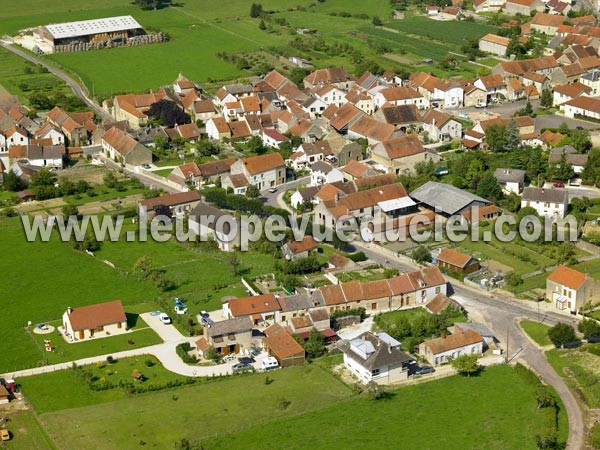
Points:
(196, 412)
(27, 433)
(536, 331)
(452, 413)
(581, 368)
(41, 280)
(199, 31)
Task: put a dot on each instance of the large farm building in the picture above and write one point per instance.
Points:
(117, 30)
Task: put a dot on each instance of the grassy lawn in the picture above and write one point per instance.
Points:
(201, 278)
(486, 413)
(42, 279)
(140, 336)
(41, 389)
(27, 433)
(163, 172)
(581, 367)
(195, 412)
(536, 331)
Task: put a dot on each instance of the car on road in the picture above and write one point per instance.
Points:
(146, 166)
(246, 360)
(273, 190)
(579, 127)
(559, 185)
(423, 370)
(164, 318)
(239, 368)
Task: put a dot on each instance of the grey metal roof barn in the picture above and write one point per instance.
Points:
(445, 198)
(94, 26)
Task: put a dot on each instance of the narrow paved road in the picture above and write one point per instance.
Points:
(73, 85)
(501, 315)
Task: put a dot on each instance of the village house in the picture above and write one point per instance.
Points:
(50, 131)
(488, 5)
(304, 196)
(228, 337)
(76, 127)
(577, 160)
(38, 155)
(447, 348)
(294, 250)
(564, 93)
(283, 347)
(335, 76)
(510, 180)
(209, 222)
(375, 358)
(260, 308)
(263, 171)
(440, 126)
(546, 202)
(399, 155)
(324, 173)
(175, 205)
(474, 96)
(570, 290)
(195, 175)
(547, 23)
(401, 95)
(453, 261)
(494, 44)
(94, 320)
(273, 138)
(218, 129)
(403, 117)
(121, 147)
(494, 85)
(524, 7)
(582, 106)
(133, 107)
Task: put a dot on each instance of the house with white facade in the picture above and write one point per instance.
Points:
(447, 348)
(94, 320)
(263, 171)
(510, 180)
(324, 173)
(273, 138)
(582, 106)
(569, 289)
(441, 126)
(547, 202)
(376, 357)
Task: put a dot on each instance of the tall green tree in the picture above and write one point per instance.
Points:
(512, 139)
(489, 188)
(561, 170)
(466, 364)
(546, 100)
(495, 138)
(580, 139)
(256, 10)
(12, 182)
(561, 334)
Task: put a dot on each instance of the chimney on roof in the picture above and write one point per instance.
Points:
(69, 310)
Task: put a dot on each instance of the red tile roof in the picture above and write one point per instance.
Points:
(101, 314)
(565, 276)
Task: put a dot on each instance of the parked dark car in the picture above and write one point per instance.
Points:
(423, 370)
(239, 368)
(246, 360)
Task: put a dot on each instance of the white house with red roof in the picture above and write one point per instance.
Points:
(99, 320)
(569, 289)
(272, 138)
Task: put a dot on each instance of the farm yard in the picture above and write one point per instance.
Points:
(191, 26)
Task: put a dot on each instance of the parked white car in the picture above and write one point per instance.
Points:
(164, 318)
